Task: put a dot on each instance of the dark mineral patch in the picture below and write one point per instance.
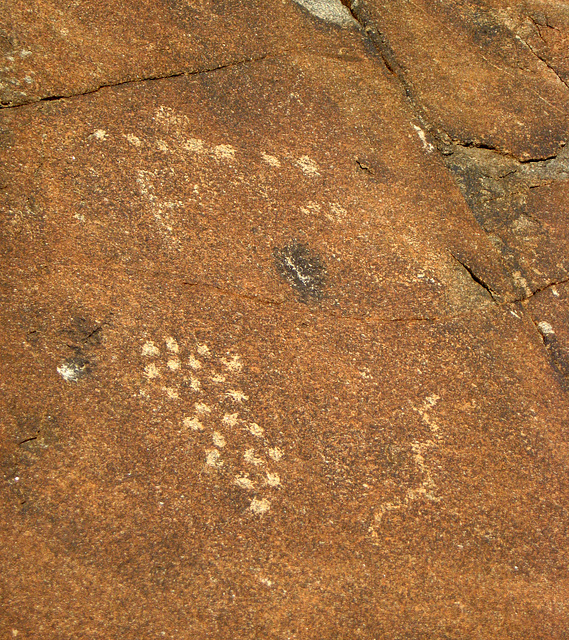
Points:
(302, 269)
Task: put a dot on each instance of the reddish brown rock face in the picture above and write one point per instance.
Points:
(281, 359)
(472, 75)
(60, 49)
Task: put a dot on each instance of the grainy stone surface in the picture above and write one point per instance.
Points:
(55, 48)
(472, 74)
(521, 207)
(281, 359)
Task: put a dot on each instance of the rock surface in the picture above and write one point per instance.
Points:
(285, 320)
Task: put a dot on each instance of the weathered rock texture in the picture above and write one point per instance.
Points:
(285, 320)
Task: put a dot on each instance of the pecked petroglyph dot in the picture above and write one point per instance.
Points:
(150, 349)
(194, 363)
(273, 479)
(338, 212)
(269, 159)
(193, 423)
(233, 364)
(230, 419)
(218, 378)
(250, 457)
(432, 400)
(276, 454)
(99, 134)
(260, 506)
(202, 408)
(195, 384)
(151, 371)
(266, 581)
(244, 482)
(203, 350)
(173, 364)
(311, 208)
(213, 458)
(236, 395)
(134, 140)
(224, 152)
(194, 145)
(218, 439)
(256, 430)
(308, 166)
(172, 345)
(302, 269)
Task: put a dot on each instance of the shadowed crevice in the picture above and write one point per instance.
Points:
(377, 39)
(479, 281)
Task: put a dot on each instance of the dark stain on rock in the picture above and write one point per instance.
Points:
(84, 338)
(36, 433)
(84, 334)
(302, 269)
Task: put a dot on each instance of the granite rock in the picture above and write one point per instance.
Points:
(285, 346)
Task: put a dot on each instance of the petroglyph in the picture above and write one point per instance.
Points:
(419, 450)
(205, 395)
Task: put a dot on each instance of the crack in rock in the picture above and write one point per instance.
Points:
(541, 289)
(497, 190)
(495, 185)
(542, 59)
(234, 294)
(150, 78)
(479, 281)
(380, 45)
